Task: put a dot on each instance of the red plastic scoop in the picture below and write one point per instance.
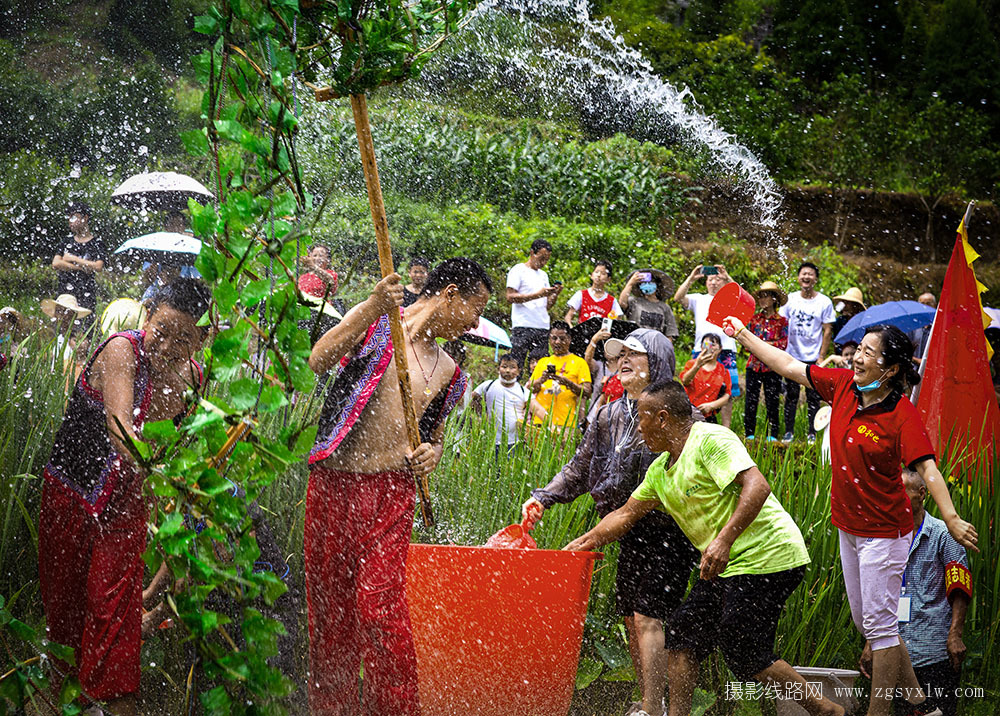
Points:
(731, 300)
(513, 537)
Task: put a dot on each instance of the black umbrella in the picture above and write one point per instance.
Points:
(581, 334)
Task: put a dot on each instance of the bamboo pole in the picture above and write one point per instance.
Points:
(359, 106)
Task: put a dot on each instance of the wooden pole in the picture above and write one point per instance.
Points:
(359, 106)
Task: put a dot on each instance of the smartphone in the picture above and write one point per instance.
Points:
(557, 283)
(550, 369)
(606, 325)
(709, 270)
(645, 276)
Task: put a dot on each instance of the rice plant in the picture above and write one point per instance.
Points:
(33, 393)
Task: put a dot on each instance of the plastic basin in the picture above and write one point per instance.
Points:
(835, 684)
(497, 631)
(731, 300)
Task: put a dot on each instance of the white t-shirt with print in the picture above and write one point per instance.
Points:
(506, 405)
(699, 303)
(531, 314)
(806, 317)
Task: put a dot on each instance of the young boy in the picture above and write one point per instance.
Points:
(595, 302)
(506, 402)
(359, 508)
(92, 528)
(753, 555)
(418, 272)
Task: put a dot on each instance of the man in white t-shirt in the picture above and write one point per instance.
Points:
(530, 298)
(594, 302)
(810, 317)
(715, 278)
(506, 401)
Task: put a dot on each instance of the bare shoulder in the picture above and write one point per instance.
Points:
(116, 360)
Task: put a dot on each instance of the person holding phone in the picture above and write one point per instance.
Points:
(650, 309)
(705, 379)
(715, 277)
(531, 297)
(594, 302)
(561, 379)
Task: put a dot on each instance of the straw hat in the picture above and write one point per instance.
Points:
(772, 287)
(664, 284)
(66, 300)
(853, 295)
(122, 314)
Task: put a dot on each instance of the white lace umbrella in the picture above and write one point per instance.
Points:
(160, 191)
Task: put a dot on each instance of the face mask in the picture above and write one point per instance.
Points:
(648, 287)
(874, 385)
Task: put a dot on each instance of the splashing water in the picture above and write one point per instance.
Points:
(512, 44)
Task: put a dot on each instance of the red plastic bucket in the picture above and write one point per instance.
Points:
(497, 631)
(731, 300)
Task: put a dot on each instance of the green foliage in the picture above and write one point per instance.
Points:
(617, 180)
(830, 94)
(375, 44)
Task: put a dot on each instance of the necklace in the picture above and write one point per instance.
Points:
(437, 357)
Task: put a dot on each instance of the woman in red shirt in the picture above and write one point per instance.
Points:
(874, 429)
(706, 380)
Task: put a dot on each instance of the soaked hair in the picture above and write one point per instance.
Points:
(465, 273)
(79, 207)
(420, 261)
(187, 295)
(606, 264)
(559, 325)
(808, 264)
(714, 337)
(897, 349)
(539, 244)
(671, 396)
(507, 358)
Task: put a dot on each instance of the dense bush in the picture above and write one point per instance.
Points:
(828, 92)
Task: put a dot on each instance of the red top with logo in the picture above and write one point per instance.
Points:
(589, 308)
(868, 447)
(313, 285)
(708, 384)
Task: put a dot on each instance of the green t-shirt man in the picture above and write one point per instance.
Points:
(698, 492)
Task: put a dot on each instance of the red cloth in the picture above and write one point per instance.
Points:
(589, 308)
(357, 534)
(956, 394)
(613, 388)
(90, 570)
(867, 449)
(708, 385)
(313, 285)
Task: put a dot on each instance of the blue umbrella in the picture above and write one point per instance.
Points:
(904, 315)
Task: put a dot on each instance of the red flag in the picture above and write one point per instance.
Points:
(956, 397)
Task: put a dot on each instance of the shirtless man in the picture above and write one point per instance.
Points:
(359, 509)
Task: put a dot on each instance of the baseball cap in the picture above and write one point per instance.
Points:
(614, 346)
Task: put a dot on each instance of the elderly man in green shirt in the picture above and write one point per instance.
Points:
(753, 555)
